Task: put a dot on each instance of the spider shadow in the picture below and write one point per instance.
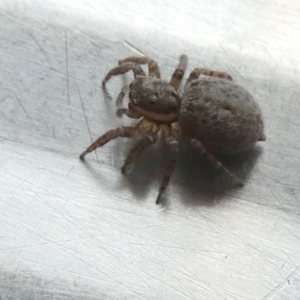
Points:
(138, 181)
(106, 95)
(198, 182)
(201, 184)
(139, 177)
(93, 169)
(145, 171)
(108, 99)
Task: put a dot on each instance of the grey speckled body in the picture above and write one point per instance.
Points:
(220, 113)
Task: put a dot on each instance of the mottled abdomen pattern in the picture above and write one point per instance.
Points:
(222, 114)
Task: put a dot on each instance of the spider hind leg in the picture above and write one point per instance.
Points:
(199, 71)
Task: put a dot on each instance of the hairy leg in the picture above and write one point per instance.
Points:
(126, 111)
(136, 68)
(152, 64)
(119, 132)
(230, 178)
(179, 72)
(129, 113)
(173, 146)
(198, 71)
(145, 142)
(121, 95)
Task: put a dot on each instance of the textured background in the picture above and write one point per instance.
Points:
(84, 231)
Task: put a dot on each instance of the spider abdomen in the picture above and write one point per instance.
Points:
(220, 113)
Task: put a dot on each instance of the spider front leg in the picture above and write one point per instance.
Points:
(129, 113)
(179, 72)
(230, 178)
(124, 90)
(136, 69)
(152, 64)
(198, 71)
(119, 132)
(145, 142)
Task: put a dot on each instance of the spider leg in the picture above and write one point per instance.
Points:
(229, 177)
(168, 174)
(173, 146)
(129, 113)
(119, 132)
(145, 142)
(152, 64)
(198, 71)
(179, 72)
(137, 71)
(122, 94)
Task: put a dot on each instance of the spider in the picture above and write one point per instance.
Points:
(213, 113)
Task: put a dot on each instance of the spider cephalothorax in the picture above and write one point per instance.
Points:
(154, 99)
(213, 112)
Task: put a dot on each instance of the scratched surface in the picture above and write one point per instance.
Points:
(76, 230)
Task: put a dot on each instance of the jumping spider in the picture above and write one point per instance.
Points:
(213, 112)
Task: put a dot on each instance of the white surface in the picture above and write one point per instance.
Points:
(82, 230)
